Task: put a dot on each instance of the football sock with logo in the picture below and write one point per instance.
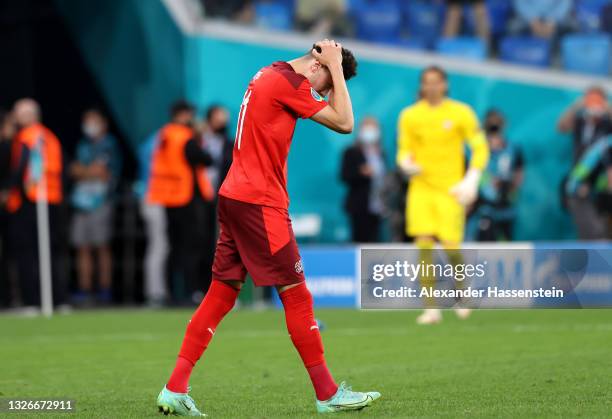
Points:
(219, 300)
(306, 338)
(455, 258)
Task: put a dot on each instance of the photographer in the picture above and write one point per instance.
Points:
(588, 119)
(589, 191)
(495, 210)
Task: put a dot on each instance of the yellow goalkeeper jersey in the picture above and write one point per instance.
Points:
(434, 137)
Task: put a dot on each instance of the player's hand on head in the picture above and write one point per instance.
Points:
(327, 52)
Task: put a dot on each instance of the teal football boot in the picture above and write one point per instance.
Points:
(180, 404)
(346, 399)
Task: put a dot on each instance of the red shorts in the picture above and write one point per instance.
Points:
(257, 239)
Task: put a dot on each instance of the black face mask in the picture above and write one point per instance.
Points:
(493, 128)
(222, 130)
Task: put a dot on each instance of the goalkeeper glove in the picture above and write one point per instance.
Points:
(466, 191)
(409, 167)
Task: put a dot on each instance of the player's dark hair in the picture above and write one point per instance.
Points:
(433, 69)
(180, 106)
(349, 62)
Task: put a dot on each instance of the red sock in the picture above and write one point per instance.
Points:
(306, 338)
(219, 300)
(179, 380)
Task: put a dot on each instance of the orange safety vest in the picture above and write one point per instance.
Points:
(38, 139)
(171, 181)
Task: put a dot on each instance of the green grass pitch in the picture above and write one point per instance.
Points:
(515, 364)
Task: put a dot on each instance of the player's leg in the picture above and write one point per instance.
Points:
(452, 229)
(421, 223)
(267, 246)
(219, 300)
(304, 332)
(427, 280)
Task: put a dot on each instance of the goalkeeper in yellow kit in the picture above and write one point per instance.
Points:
(432, 134)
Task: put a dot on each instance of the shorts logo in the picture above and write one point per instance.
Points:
(315, 95)
(298, 267)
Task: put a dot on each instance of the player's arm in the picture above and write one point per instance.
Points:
(338, 115)
(405, 157)
(466, 191)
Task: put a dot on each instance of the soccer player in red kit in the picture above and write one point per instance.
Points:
(255, 229)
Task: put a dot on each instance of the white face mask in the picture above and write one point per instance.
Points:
(91, 129)
(369, 135)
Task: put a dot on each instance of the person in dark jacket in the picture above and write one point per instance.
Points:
(217, 143)
(8, 130)
(363, 171)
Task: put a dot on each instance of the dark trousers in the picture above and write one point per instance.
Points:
(5, 247)
(188, 235)
(365, 227)
(490, 230)
(24, 246)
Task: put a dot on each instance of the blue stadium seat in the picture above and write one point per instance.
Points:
(273, 15)
(499, 13)
(411, 43)
(526, 51)
(588, 14)
(377, 20)
(588, 53)
(466, 47)
(424, 19)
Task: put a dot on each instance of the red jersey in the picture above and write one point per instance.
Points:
(275, 98)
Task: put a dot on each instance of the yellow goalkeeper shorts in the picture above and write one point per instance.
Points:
(434, 212)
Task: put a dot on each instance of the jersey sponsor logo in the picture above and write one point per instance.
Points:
(299, 268)
(316, 96)
(447, 124)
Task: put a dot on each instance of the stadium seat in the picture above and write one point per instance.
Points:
(273, 15)
(378, 20)
(424, 20)
(526, 51)
(588, 53)
(499, 13)
(466, 47)
(588, 14)
(411, 43)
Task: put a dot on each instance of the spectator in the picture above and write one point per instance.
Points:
(96, 173)
(154, 216)
(588, 119)
(179, 181)
(454, 15)
(542, 18)
(495, 212)
(217, 144)
(606, 18)
(7, 133)
(323, 17)
(36, 160)
(394, 199)
(363, 171)
(589, 191)
(238, 10)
